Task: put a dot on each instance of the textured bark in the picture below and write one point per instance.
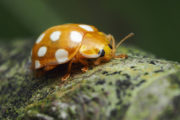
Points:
(140, 87)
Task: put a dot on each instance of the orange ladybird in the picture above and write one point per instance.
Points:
(73, 43)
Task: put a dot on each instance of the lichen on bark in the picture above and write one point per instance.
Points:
(140, 87)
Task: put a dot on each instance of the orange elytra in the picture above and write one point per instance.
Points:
(73, 43)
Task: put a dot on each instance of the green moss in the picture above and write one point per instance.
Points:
(122, 88)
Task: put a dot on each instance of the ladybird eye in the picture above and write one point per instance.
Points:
(110, 46)
(101, 53)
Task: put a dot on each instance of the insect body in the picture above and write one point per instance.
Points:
(72, 43)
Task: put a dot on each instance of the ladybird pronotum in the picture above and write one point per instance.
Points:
(72, 43)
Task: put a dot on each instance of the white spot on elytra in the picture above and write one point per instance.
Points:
(86, 27)
(42, 51)
(37, 64)
(61, 56)
(55, 35)
(76, 36)
(40, 38)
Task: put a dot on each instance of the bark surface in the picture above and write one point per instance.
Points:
(140, 87)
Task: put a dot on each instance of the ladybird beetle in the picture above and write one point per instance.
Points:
(73, 43)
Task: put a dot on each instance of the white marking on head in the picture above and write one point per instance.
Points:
(76, 36)
(87, 27)
(61, 56)
(55, 35)
(40, 38)
(84, 48)
(90, 56)
(42, 51)
(37, 64)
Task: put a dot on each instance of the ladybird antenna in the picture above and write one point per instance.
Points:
(125, 38)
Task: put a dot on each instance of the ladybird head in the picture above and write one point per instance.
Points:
(96, 46)
(107, 52)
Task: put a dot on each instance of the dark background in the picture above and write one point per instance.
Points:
(155, 22)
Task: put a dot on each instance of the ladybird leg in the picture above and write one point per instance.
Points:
(84, 69)
(123, 56)
(85, 63)
(67, 75)
(49, 67)
(98, 61)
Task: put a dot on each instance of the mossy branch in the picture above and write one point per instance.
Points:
(140, 87)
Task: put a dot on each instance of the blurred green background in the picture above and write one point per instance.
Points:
(155, 22)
